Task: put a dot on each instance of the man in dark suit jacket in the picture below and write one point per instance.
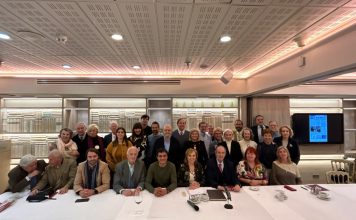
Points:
(27, 173)
(181, 134)
(129, 174)
(112, 135)
(258, 128)
(221, 172)
(171, 145)
(81, 139)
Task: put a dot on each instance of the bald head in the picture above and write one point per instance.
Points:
(132, 153)
(167, 131)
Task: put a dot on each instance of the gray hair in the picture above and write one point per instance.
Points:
(27, 160)
(55, 153)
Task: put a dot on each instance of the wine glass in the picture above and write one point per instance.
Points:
(138, 200)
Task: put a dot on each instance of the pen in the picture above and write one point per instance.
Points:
(304, 188)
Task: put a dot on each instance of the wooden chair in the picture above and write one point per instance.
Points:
(337, 177)
(344, 165)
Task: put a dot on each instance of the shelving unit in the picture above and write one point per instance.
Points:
(349, 107)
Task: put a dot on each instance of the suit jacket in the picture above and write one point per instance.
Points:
(82, 147)
(292, 147)
(107, 140)
(215, 178)
(255, 133)
(184, 175)
(67, 171)
(102, 178)
(235, 154)
(199, 146)
(174, 154)
(17, 177)
(122, 175)
(181, 138)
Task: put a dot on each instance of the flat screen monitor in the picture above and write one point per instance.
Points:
(318, 128)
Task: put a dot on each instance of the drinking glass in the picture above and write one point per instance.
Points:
(138, 200)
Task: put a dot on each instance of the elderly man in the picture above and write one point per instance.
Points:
(93, 175)
(161, 176)
(112, 135)
(27, 173)
(59, 174)
(130, 174)
(221, 172)
(171, 145)
(81, 139)
(258, 128)
(273, 126)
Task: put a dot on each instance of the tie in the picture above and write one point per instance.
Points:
(220, 167)
(181, 132)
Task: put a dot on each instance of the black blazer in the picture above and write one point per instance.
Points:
(292, 147)
(255, 132)
(174, 154)
(235, 155)
(215, 178)
(183, 175)
(199, 146)
(82, 147)
(107, 140)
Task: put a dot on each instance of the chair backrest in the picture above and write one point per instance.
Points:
(337, 177)
(344, 165)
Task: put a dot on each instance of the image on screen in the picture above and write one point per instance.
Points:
(318, 128)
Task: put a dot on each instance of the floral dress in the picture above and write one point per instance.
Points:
(256, 173)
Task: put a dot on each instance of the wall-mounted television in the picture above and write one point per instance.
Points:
(318, 128)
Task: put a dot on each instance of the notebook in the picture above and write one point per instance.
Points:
(216, 195)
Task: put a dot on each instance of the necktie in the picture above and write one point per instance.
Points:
(220, 167)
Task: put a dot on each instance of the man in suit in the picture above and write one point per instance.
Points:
(204, 135)
(59, 174)
(171, 145)
(238, 130)
(181, 134)
(129, 177)
(93, 175)
(151, 140)
(221, 172)
(112, 135)
(27, 173)
(81, 139)
(258, 128)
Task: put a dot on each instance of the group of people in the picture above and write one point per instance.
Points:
(161, 162)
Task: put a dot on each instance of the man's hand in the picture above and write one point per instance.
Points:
(85, 193)
(33, 192)
(159, 192)
(63, 190)
(127, 192)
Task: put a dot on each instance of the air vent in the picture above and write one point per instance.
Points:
(109, 81)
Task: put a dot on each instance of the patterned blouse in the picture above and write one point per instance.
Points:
(256, 173)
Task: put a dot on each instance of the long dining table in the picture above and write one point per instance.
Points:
(249, 203)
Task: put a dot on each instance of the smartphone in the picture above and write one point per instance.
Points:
(290, 188)
(82, 200)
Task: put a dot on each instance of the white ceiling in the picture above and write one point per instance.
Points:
(161, 35)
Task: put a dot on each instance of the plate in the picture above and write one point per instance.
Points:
(254, 188)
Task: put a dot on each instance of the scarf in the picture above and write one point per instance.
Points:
(90, 183)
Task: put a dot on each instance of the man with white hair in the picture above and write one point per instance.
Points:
(27, 173)
(59, 174)
(112, 135)
(81, 139)
(129, 177)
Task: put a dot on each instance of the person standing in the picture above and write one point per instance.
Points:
(258, 128)
(286, 139)
(181, 134)
(238, 130)
(81, 139)
(151, 140)
(144, 122)
(112, 135)
(204, 136)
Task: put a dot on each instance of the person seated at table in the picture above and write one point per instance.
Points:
(161, 175)
(220, 172)
(195, 143)
(129, 177)
(250, 171)
(93, 175)
(66, 145)
(59, 174)
(26, 174)
(191, 172)
(284, 171)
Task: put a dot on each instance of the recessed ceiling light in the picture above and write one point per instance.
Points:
(225, 39)
(136, 67)
(4, 36)
(117, 37)
(66, 66)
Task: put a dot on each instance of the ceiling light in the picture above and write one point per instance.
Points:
(225, 39)
(66, 66)
(117, 37)
(136, 67)
(4, 36)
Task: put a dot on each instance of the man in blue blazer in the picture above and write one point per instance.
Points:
(129, 177)
(221, 172)
(112, 135)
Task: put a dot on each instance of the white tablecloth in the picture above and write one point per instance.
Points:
(247, 204)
